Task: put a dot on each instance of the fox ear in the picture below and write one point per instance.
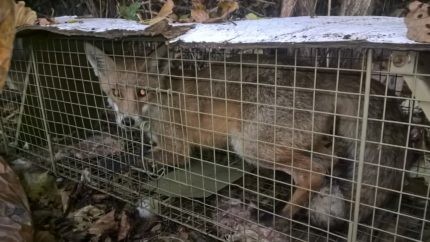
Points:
(158, 59)
(101, 63)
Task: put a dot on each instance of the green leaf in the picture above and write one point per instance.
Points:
(251, 16)
(129, 12)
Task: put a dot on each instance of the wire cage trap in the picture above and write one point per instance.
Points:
(294, 143)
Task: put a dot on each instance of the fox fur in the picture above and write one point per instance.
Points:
(305, 124)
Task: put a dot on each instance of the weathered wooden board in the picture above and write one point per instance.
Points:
(364, 31)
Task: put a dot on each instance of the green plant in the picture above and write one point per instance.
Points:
(129, 12)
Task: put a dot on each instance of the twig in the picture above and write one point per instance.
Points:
(11, 115)
(255, 12)
(266, 2)
(77, 191)
(288, 7)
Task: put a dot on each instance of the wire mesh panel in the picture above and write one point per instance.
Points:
(298, 144)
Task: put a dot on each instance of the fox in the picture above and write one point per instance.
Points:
(295, 121)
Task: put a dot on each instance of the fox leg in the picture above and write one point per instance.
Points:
(307, 174)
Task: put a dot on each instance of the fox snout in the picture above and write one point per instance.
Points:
(124, 120)
(128, 121)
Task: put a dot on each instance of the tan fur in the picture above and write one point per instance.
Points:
(224, 105)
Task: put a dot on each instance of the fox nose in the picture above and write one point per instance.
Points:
(128, 121)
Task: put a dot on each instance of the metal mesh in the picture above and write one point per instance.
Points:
(222, 140)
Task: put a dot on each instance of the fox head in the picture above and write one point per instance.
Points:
(128, 83)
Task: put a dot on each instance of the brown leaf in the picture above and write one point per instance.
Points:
(167, 31)
(45, 21)
(85, 217)
(65, 198)
(104, 224)
(16, 225)
(7, 30)
(225, 8)
(124, 226)
(24, 15)
(183, 233)
(199, 12)
(157, 28)
(418, 22)
(165, 11)
(175, 31)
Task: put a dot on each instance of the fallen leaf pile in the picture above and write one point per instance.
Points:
(198, 13)
(418, 22)
(222, 12)
(63, 210)
(235, 220)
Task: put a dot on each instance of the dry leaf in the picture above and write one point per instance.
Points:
(65, 197)
(251, 16)
(164, 29)
(418, 22)
(175, 31)
(157, 28)
(199, 12)
(15, 217)
(124, 226)
(24, 15)
(86, 216)
(173, 17)
(165, 11)
(7, 30)
(104, 224)
(156, 229)
(45, 21)
(225, 8)
(183, 233)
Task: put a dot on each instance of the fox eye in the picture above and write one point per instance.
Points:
(141, 92)
(115, 92)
